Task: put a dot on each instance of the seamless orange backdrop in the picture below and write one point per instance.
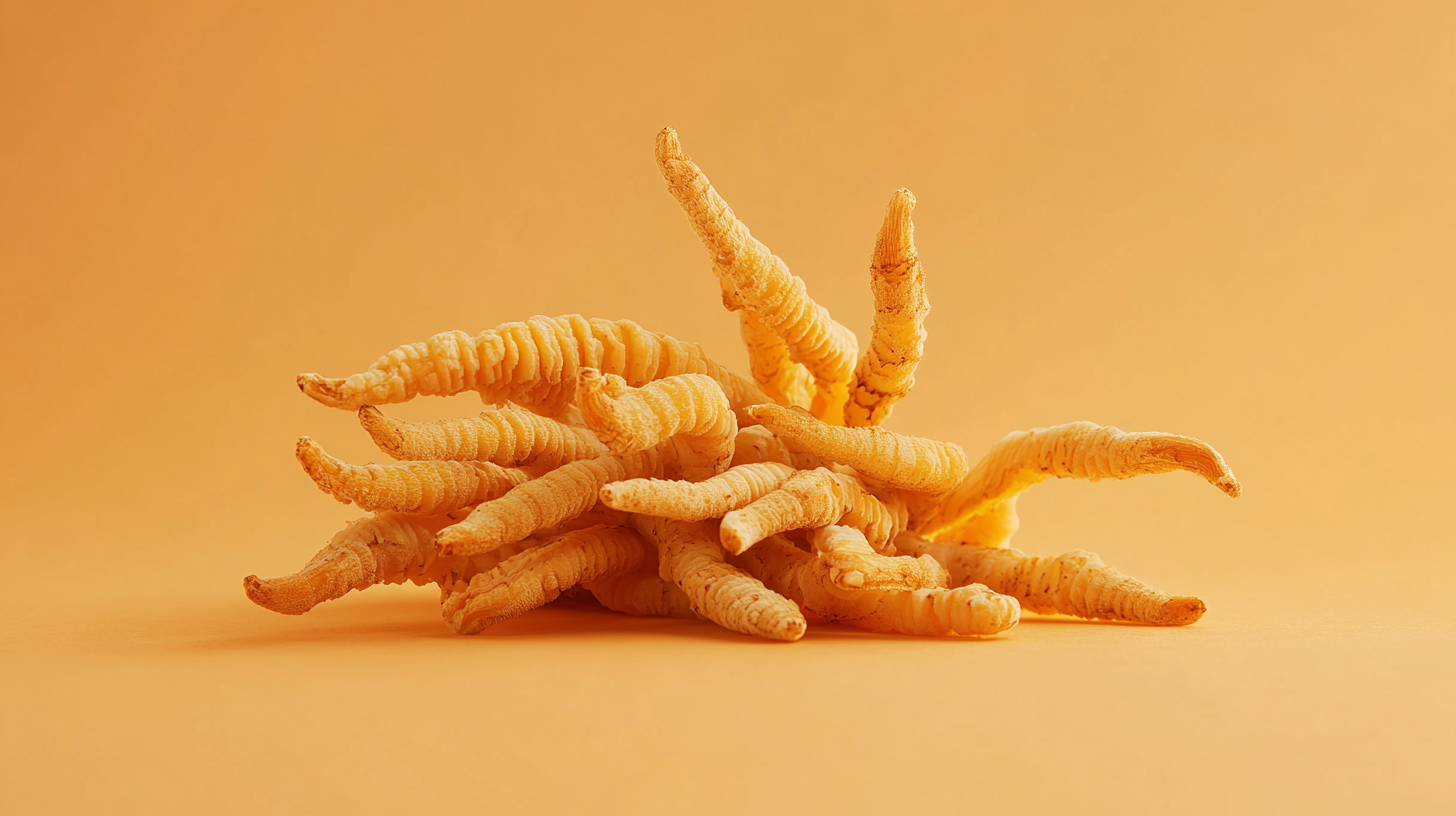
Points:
(1232, 221)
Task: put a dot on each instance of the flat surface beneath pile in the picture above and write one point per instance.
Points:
(370, 705)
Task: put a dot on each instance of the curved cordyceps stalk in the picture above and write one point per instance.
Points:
(688, 555)
(534, 363)
(886, 370)
(688, 409)
(907, 462)
(407, 487)
(755, 444)
(688, 501)
(772, 366)
(762, 283)
(808, 499)
(388, 548)
(1077, 450)
(1074, 583)
(539, 575)
(971, 610)
(543, 503)
(854, 564)
(509, 436)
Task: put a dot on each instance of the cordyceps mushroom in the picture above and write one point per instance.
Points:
(625, 464)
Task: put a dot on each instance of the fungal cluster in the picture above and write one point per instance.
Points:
(626, 465)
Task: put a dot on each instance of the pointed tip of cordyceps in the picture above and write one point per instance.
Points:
(895, 245)
(668, 146)
(275, 596)
(318, 464)
(322, 389)
(382, 429)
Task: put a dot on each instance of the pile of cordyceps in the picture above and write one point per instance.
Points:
(625, 464)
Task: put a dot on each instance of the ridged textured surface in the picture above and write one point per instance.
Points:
(539, 575)
(688, 555)
(968, 611)
(688, 410)
(854, 564)
(1077, 450)
(762, 283)
(533, 362)
(909, 462)
(688, 501)
(813, 498)
(886, 370)
(509, 436)
(558, 496)
(407, 487)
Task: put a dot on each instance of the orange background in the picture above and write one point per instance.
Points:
(1231, 220)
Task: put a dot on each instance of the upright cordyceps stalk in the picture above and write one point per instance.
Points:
(509, 436)
(812, 498)
(1073, 583)
(407, 487)
(1077, 450)
(968, 611)
(688, 410)
(762, 282)
(908, 462)
(540, 504)
(385, 548)
(688, 501)
(854, 564)
(689, 556)
(886, 371)
(533, 362)
(539, 575)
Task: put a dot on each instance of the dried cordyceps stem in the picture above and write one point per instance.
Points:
(510, 436)
(558, 496)
(908, 462)
(1077, 450)
(773, 368)
(644, 594)
(1073, 583)
(688, 501)
(689, 409)
(886, 370)
(407, 487)
(854, 564)
(533, 363)
(688, 555)
(813, 498)
(388, 548)
(539, 575)
(755, 444)
(968, 611)
(762, 283)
